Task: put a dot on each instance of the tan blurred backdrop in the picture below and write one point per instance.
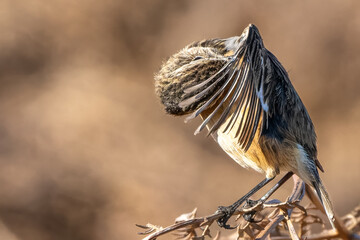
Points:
(85, 148)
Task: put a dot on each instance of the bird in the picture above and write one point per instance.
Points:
(247, 102)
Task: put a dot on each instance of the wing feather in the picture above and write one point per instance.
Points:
(206, 121)
(230, 105)
(236, 97)
(239, 98)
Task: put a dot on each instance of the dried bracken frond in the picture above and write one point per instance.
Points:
(352, 220)
(272, 220)
(149, 228)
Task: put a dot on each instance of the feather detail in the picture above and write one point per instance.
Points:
(238, 96)
(325, 200)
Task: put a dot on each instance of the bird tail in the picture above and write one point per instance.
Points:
(325, 200)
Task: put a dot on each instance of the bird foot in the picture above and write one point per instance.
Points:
(250, 216)
(228, 212)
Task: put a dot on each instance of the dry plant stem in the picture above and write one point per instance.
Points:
(340, 232)
(296, 195)
(196, 222)
(320, 236)
(352, 220)
(286, 209)
(291, 228)
(312, 237)
(270, 227)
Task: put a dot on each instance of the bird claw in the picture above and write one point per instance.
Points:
(251, 203)
(228, 212)
(250, 216)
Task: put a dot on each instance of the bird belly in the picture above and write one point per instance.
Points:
(253, 158)
(230, 146)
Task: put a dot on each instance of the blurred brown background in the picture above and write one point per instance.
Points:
(86, 150)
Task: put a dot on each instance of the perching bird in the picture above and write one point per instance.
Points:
(247, 102)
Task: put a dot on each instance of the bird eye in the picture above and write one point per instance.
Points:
(197, 58)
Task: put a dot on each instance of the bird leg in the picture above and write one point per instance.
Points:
(229, 211)
(251, 203)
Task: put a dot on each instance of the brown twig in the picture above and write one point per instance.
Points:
(282, 213)
(196, 222)
(296, 195)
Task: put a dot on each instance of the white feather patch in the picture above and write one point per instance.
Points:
(260, 95)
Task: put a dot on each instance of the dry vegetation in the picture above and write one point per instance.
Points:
(86, 150)
(270, 220)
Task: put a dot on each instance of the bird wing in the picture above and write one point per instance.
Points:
(286, 112)
(237, 91)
